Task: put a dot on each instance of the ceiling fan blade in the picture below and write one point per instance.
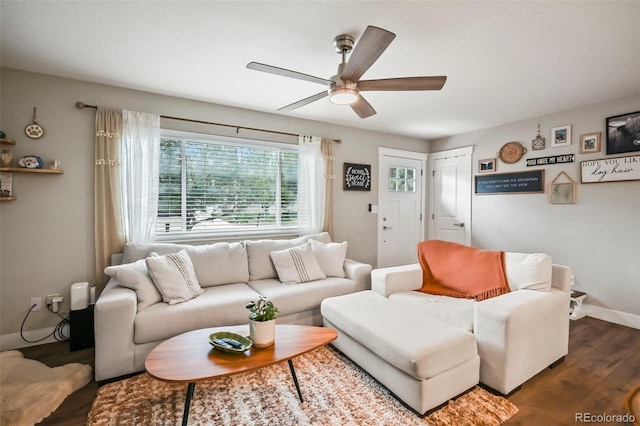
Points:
(287, 73)
(304, 101)
(373, 42)
(406, 83)
(363, 108)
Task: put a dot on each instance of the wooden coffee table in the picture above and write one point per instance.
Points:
(189, 358)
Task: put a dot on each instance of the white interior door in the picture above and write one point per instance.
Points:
(401, 202)
(451, 195)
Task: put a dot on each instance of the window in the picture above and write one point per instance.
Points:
(222, 186)
(402, 179)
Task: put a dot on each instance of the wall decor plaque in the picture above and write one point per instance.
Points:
(357, 177)
(510, 183)
(553, 159)
(511, 152)
(539, 142)
(610, 169)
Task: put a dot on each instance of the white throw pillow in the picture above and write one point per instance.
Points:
(174, 276)
(297, 265)
(330, 257)
(528, 271)
(220, 263)
(135, 276)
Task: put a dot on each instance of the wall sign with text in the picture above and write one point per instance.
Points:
(554, 159)
(610, 169)
(510, 183)
(357, 177)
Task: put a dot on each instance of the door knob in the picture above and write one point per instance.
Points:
(461, 224)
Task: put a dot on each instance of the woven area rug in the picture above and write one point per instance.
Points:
(336, 392)
(30, 390)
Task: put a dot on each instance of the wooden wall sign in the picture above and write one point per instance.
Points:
(610, 169)
(511, 183)
(554, 159)
(357, 177)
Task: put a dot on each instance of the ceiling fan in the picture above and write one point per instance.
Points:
(345, 87)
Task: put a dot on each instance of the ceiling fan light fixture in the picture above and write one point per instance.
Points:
(343, 95)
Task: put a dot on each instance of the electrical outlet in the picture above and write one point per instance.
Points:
(36, 301)
(51, 298)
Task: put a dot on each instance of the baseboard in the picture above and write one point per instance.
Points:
(14, 341)
(616, 317)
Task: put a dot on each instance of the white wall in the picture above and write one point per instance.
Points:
(47, 233)
(599, 236)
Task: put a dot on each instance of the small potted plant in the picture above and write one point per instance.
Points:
(262, 322)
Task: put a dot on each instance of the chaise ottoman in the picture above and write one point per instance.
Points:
(424, 362)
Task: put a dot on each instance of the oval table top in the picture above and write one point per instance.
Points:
(189, 357)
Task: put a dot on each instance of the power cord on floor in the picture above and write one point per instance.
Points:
(57, 333)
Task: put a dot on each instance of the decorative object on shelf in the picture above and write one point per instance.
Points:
(6, 158)
(54, 164)
(561, 136)
(528, 182)
(563, 190)
(31, 162)
(589, 143)
(34, 130)
(539, 142)
(610, 169)
(5, 184)
(511, 152)
(552, 159)
(2, 134)
(623, 133)
(262, 322)
(357, 177)
(487, 165)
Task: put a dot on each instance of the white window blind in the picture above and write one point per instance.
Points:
(220, 187)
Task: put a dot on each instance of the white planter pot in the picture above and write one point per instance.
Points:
(262, 333)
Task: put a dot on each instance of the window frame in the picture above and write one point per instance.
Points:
(228, 235)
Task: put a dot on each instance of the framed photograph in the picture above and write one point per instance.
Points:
(561, 136)
(562, 190)
(487, 165)
(623, 133)
(590, 143)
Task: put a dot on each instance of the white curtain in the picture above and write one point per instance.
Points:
(139, 159)
(311, 188)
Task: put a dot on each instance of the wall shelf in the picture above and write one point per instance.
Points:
(7, 141)
(25, 170)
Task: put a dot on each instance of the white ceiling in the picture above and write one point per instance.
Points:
(505, 60)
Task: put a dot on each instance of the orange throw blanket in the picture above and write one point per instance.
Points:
(450, 269)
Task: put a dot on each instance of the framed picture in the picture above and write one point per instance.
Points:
(561, 136)
(487, 165)
(623, 133)
(357, 177)
(590, 143)
(562, 190)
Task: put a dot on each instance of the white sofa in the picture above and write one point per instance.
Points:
(128, 325)
(518, 333)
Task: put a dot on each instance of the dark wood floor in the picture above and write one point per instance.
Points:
(602, 366)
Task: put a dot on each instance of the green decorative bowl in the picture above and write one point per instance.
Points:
(218, 340)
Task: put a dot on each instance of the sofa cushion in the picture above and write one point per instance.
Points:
(331, 257)
(137, 251)
(217, 306)
(220, 263)
(291, 299)
(259, 254)
(528, 271)
(136, 277)
(450, 310)
(405, 338)
(174, 276)
(297, 264)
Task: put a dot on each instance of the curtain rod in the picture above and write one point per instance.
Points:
(82, 105)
